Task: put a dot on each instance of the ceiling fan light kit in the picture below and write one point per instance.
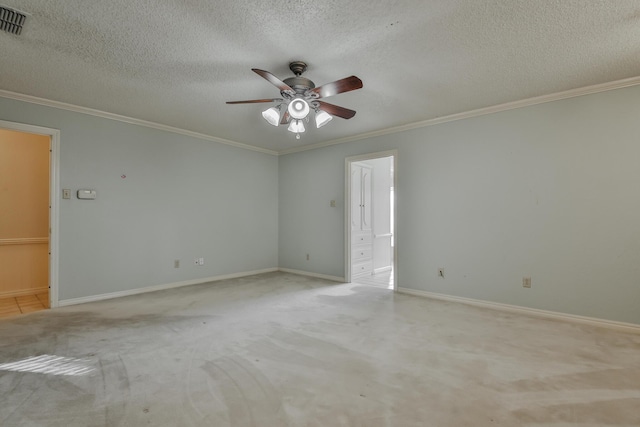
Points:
(300, 95)
(296, 126)
(322, 118)
(272, 115)
(298, 108)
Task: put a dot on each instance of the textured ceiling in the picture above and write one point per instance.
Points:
(177, 62)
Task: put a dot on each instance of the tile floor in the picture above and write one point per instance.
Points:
(14, 306)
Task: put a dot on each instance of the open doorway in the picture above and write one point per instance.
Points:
(28, 230)
(370, 218)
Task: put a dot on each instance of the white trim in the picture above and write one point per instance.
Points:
(603, 323)
(129, 292)
(130, 120)
(310, 274)
(372, 156)
(54, 190)
(54, 233)
(24, 241)
(572, 93)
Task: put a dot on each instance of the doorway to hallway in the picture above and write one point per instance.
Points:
(28, 230)
(370, 217)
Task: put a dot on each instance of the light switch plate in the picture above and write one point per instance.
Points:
(87, 194)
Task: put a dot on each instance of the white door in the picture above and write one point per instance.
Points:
(366, 198)
(356, 198)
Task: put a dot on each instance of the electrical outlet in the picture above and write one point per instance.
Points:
(176, 263)
(201, 261)
(332, 203)
(441, 272)
(308, 257)
(526, 282)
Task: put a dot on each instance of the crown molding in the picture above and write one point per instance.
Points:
(130, 120)
(572, 93)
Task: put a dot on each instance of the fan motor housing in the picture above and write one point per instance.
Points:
(299, 84)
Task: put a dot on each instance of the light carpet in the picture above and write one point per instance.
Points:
(285, 350)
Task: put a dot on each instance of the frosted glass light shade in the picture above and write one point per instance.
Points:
(322, 118)
(272, 115)
(296, 126)
(298, 108)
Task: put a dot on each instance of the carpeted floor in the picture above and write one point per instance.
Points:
(285, 350)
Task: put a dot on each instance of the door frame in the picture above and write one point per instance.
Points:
(54, 191)
(347, 211)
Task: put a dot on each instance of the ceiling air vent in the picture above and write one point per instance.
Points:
(11, 21)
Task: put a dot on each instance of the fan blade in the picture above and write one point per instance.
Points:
(336, 110)
(274, 80)
(339, 86)
(255, 101)
(285, 118)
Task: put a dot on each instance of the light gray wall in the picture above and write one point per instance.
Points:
(550, 191)
(182, 198)
(308, 223)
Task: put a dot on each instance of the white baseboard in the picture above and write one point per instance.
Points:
(307, 273)
(23, 292)
(611, 324)
(110, 295)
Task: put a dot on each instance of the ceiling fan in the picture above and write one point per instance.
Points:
(300, 95)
